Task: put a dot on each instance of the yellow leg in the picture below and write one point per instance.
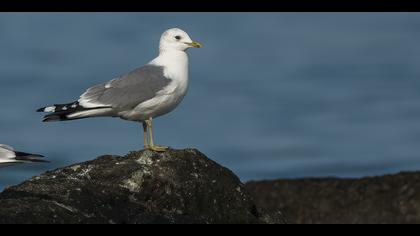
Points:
(146, 144)
(152, 145)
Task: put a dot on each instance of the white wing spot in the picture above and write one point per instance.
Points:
(49, 109)
(64, 108)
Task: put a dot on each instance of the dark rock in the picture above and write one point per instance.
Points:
(387, 199)
(178, 186)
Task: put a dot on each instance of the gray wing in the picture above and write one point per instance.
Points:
(129, 90)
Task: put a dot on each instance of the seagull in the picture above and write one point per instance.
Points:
(141, 95)
(8, 156)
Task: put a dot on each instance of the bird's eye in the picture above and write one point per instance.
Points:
(177, 37)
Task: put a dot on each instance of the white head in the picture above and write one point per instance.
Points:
(176, 39)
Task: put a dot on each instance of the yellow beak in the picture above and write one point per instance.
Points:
(195, 45)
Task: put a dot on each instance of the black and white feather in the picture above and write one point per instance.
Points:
(8, 156)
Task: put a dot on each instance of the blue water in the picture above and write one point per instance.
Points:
(271, 95)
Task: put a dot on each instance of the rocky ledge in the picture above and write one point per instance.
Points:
(178, 186)
(374, 200)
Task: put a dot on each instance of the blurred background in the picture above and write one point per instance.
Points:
(281, 95)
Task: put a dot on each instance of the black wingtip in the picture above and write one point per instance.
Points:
(51, 119)
(41, 109)
(25, 154)
(29, 157)
(39, 160)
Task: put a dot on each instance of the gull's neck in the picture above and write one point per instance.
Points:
(175, 63)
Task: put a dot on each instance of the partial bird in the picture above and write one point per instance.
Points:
(141, 95)
(8, 156)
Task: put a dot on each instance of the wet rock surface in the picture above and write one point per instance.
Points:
(385, 199)
(178, 186)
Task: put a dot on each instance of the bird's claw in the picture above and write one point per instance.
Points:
(157, 148)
